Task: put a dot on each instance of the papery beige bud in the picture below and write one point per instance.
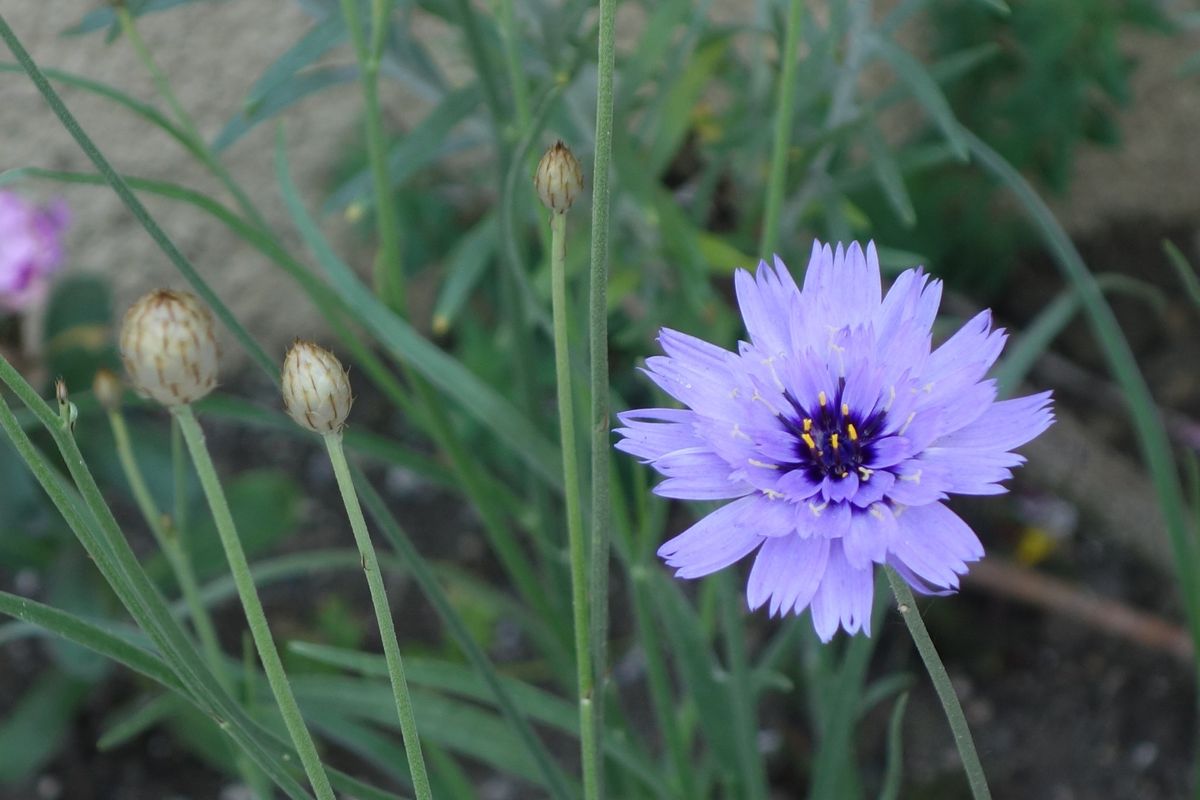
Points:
(107, 388)
(169, 348)
(559, 178)
(316, 388)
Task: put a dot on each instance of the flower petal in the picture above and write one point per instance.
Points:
(787, 571)
(844, 597)
(935, 544)
(1005, 425)
(716, 541)
(866, 540)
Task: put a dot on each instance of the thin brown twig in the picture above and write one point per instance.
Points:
(1007, 579)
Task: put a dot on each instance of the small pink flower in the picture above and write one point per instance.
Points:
(31, 249)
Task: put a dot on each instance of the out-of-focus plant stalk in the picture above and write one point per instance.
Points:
(383, 616)
(784, 104)
(598, 352)
(163, 86)
(941, 683)
(389, 272)
(256, 618)
(167, 536)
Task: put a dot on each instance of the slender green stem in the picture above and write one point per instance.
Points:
(598, 357)
(201, 148)
(383, 616)
(566, 426)
(389, 275)
(512, 58)
(166, 534)
(306, 748)
(742, 696)
(941, 683)
(784, 103)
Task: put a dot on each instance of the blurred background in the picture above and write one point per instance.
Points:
(1067, 645)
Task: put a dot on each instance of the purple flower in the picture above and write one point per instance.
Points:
(31, 249)
(837, 432)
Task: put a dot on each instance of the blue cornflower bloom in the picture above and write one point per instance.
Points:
(837, 431)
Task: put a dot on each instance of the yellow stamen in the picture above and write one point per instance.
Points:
(845, 410)
(808, 440)
(833, 441)
(807, 424)
(822, 399)
(852, 432)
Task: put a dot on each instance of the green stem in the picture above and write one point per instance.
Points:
(171, 545)
(784, 101)
(575, 543)
(129, 28)
(742, 696)
(389, 276)
(941, 683)
(383, 617)
(293, 720)
(598, 357)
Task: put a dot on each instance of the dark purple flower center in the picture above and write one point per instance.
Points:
(832, 439)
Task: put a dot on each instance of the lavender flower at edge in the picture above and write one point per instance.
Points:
(31, 249)
(836, 431)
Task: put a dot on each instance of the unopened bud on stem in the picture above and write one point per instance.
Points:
(107, 388)
(316, 388)
(169, 348)
(559, 178)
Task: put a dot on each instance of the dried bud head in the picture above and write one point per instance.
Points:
(559, 178)
(316, 388)
(168, 346)
(107, 388)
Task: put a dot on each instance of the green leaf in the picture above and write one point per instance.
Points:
(488, 407)
(424, 144)
(467, 264)
(887, 172)
(266, 506)
(893, 773)
(1185, 271)
(134, 720)
(39, 724)
(926, 92)
(281, 97)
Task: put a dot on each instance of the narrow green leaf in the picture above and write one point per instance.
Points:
(131, 722)
(893, 773)
(925, 91)
(280, 98)
(38, 725)
(135, 206)
(466, 265)
(484, 403)
(887, 172)
(1185, 271)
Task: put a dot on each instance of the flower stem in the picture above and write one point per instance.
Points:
(306, 748)
(383, 617)
(941, 682)
(784, 101)
(167, 536)
(566, 422)
(598, 356)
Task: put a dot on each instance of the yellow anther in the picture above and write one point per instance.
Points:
(808, 440)
(807, 424)
(833, 441)
(852, 432)
(845, 409)
(822, 399)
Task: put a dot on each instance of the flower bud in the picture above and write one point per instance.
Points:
(559, 178)
(107, 388)
(316, 388)
(169, 349)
